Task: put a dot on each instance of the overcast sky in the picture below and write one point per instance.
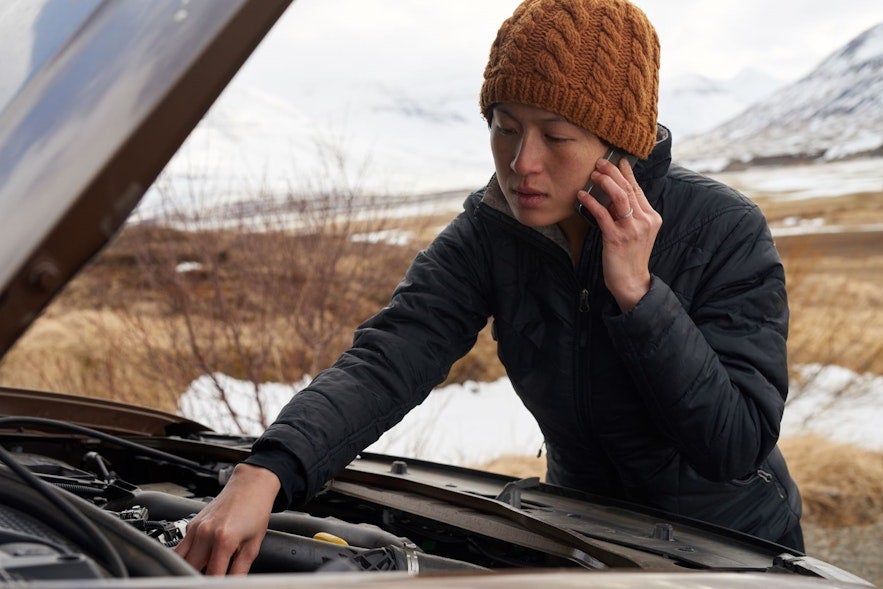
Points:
(394, 83)
(429, 40)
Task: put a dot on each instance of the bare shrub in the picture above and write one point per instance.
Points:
(265, 290)
(269, 293)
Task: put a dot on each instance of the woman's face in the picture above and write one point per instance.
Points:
(542, 161)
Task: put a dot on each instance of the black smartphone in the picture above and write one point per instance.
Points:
(614, 155)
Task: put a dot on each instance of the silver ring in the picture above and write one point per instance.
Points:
(627, 215)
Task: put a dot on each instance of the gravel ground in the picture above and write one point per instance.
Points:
(857, 549)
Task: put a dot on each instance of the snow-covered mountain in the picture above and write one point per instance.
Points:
(835, 111)
(693, 104)
(381, 135)
(376, 132)
(367, 135)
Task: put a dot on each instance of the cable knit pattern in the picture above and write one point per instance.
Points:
(595, 62)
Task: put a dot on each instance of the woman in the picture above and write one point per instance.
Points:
(648, 343)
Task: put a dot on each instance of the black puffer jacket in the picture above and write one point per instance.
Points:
(675, 404)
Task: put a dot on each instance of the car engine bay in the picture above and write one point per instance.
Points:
(90, 501)
(79, 503)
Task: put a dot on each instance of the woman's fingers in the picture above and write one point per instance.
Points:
(233, 524)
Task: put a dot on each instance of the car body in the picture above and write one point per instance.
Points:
(95, 493)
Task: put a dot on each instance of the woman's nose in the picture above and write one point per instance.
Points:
(528, 156)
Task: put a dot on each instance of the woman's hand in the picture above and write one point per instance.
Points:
(629, 227)
(225, 537)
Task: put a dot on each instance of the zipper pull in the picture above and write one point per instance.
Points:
(768, 478)
(584, 301)
(540, 451)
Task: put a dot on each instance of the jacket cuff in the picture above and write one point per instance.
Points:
(649, 319)
(290, 473)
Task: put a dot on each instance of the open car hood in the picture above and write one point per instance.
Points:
(112, 90)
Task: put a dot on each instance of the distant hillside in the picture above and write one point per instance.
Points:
(693, 104)
(834, 112)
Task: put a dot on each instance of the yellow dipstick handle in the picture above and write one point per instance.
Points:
(326, 537)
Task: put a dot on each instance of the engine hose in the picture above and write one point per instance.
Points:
(143, 556)
(79, 489)
(431, 562)
(289, 546)
(281, 552)
(163, 506)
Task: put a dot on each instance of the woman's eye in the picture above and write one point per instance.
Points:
(557, 138)
(504, 130)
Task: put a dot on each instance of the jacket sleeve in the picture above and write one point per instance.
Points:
(397, 357)
(715, 377)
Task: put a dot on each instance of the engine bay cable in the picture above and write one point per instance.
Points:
(112, 439)
(112, 558)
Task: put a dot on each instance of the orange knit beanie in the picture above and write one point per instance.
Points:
(595, 62)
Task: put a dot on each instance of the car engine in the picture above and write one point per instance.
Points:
(79, 503)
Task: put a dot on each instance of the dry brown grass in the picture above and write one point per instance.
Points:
(841, 485)
(835, 292)
(856, 209)
(836, 320)
(835, 281)
(89, 352)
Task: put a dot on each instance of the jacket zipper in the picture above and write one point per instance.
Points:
(590, 249)
(588, 269)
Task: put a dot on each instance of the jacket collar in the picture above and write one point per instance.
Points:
(651, 171)
(493, 198)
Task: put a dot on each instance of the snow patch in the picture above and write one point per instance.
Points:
(838, 404)
(185, 267)
(473, 422)
(387, 236)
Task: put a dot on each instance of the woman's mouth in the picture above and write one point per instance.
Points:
(528, 198)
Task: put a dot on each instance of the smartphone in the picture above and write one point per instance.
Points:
(614, 155)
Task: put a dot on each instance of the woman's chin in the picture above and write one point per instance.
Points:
(536, 218)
